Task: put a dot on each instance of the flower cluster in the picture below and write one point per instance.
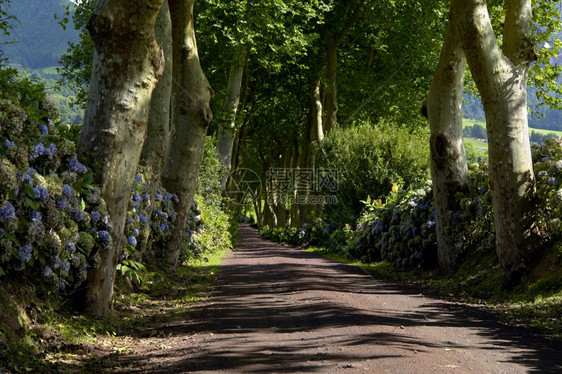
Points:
(52, 220)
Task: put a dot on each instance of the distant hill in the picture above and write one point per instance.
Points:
(41, 39)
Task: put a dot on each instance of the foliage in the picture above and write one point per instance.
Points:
(212, 172)
(76, 63)
(369, 161)
(41, 40)
(476, 132)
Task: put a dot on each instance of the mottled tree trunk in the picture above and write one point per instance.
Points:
(501, 77)
(227, 126)
(191, 116)
(448, 160)
(127, 64)
(156, 144)
(331, 109)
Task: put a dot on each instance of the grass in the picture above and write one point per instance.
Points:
(535, 303)
(59, 338)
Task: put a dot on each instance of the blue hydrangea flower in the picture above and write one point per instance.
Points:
(142, 218)
(44, 130)
(132, 241)
(25, 252)
(137, 197)
(136, 232)
(163, 227)
(552, 181)
(67, 190)
(75, 166)
(8, 144)
(96, 216)
(65, 266)
(480, 159)
(52, 150)
(545, 159)
(130, 220)
(167, 197)
(38, 150)
(79, 214)
(175, 199)
(482, 190)
(158, 195)
(138, 178)
(70, 247)
(104, 236)
(31, 171)
(41, 193)
(61, 203)
(7, 212)
(146, 197)
(36, 215)
(47, 272)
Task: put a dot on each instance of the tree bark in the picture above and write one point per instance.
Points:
(153, 155)
(191, 116)
(501, 78)
(156, 143)
(127, 64)
(333, 41)
(448, 160)
(227, 126)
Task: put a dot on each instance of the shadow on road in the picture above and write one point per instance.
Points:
(271, 299)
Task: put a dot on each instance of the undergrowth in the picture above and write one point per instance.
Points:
(46, 338)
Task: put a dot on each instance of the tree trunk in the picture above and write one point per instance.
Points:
(127, 64)
(331, 109)
(191, 116)
(156, 144)
(501, 78)
(448, 160)
(227, 126)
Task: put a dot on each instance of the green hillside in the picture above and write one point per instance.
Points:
(41, 40)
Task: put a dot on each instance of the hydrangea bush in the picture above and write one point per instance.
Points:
(53, 221)
(402, 230)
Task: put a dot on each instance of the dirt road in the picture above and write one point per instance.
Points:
(280, 310)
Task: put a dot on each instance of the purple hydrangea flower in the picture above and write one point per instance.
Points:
(8, 144)
(137, 198)
(132, 241)
(75, 166)
(38, 150)
(7, 212)
(41, 193)
(70, 247)
(25, 252)
(47, 272)
(36, 215)
(96, 216)
(44, 130)
(104, 236)
(67, 190)
(61, 203)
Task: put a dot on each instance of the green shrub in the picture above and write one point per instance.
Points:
(369, 161)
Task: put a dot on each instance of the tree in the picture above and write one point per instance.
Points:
(501, 75)
(333, 37)
(191, 116)
(448, 160)
(126, 67)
